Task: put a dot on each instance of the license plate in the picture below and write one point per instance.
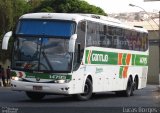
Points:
(37, 88)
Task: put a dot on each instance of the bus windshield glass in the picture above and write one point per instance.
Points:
(42, 45)
(41, 27)
(41, 54)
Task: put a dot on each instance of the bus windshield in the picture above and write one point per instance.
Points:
(43, 48)
(45, 27)
(42, 54)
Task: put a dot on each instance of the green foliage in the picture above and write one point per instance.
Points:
(6, 21)
(6, 15)
(20, 7)
(33, 4)
(10, 11)
(69, 6)
(47, 9)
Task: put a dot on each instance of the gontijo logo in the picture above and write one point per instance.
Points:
(96, 57)
(100, 57)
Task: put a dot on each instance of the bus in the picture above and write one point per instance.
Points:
(77, 54)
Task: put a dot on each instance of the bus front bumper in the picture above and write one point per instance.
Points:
(55, 88)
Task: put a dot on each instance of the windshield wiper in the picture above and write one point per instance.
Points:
(46, 58)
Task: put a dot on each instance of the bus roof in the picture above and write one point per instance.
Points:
(78, 17)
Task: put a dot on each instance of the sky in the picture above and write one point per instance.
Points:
(120, 6)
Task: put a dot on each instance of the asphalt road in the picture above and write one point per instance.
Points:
(143, 100)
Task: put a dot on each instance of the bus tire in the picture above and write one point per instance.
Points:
(35, 95)
(88, 88)
(130, 88)
(136, 83)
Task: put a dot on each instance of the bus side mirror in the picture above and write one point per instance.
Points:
(5, 41)
(72, 42)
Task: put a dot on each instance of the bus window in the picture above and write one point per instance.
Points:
(91, 38)
(105, 30)
(81, 29)
(102, 41)
(109, 30)
(115, 42)
(119, 31)
(138, 42)
(145, 42)
(108, 41)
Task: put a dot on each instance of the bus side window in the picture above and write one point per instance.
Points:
(89, 35)
(127, 40)
(115, 42)
(94, 34)
(130, 40)
(144, 42)
(119, 32)
(100, 35)
(91, 38)
(105, 29)
(81, 35)
(80, 44)
(102, 41)
(140, 42)
(110, 31)
(136, 42)
(108, 41)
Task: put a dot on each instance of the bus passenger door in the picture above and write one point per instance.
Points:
(99, 79)
(78, 79)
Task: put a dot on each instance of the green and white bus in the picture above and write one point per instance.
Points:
(77, 54)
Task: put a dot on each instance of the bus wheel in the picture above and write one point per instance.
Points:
(130, 88)
(87, 91)
(136, 83)
(35, 95)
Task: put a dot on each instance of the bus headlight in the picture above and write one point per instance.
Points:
(16, 78)
(60, 81)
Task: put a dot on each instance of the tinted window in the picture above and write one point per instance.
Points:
(101, 35)
(46, 27)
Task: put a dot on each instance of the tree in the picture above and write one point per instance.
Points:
(6, 21)
(47, 9)
(69, 6)
(6, 15)
(10, 11)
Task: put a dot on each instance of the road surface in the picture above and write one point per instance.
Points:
(143, 100)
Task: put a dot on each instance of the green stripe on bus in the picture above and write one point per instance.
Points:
(86, 58)
(101, 57)
(120, 72)
(124, 59)
(141, 60)
(133, 59)
(47, 76)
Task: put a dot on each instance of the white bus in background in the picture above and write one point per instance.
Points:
(77, 54)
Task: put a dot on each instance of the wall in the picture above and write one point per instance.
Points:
(154, 58)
